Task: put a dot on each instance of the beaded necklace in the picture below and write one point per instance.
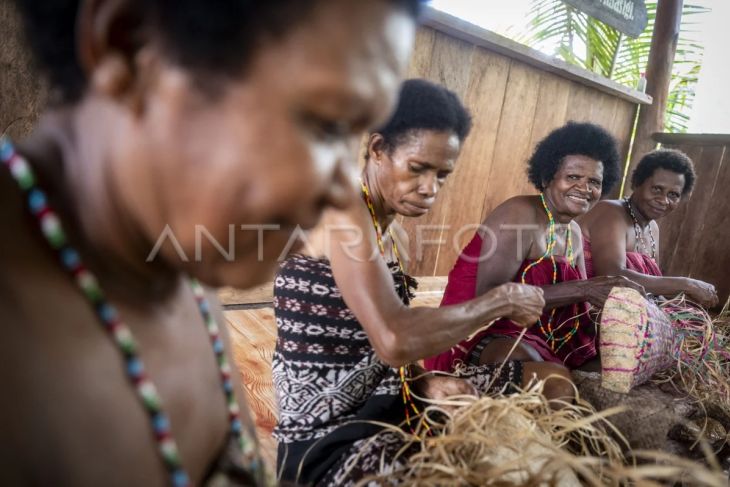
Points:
(547, 329)
(404, 371)
(121, 334)
(638, 234)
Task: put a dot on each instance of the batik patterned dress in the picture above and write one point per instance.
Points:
(331, 386)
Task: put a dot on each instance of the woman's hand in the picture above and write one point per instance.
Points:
(702, 292)
(441, 387)
(597, 289)
(523, 303)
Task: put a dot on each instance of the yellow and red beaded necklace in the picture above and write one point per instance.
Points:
(404, 371)
(547, 329)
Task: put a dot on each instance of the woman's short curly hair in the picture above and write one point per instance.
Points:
(423, 105)
(669, 159)
(584, 139)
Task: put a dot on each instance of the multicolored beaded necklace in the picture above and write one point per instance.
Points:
(121, 334)
(404, 371)
(547, 329)
(638, 233)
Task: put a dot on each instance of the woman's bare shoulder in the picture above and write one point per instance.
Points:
(613, 206)
(603, 210)
(517, 209)
(351, 227)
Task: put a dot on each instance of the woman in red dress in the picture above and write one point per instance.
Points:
(620, 237)
(534, 239)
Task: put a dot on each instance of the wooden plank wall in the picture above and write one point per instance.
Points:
(513, 105)
(694, 239)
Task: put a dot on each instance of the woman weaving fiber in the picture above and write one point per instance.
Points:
(620, 236)
(346, 333)
(161, 122)
(570, 167)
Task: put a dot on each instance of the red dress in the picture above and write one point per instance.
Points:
(461, 287)
(635, 261)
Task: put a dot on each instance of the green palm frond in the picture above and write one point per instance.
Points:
(584, 41)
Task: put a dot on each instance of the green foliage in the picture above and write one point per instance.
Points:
(584, 41)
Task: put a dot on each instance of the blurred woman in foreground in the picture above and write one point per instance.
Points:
(171, 124)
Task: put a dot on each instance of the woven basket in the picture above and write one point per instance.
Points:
(636, 340)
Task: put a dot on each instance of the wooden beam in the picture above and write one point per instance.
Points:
(658, 75)
(705, 140)
(473, 34)
(263, 295)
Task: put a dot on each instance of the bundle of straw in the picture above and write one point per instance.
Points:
(519, 440)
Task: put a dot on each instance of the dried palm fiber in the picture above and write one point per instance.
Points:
(489, 443)
(702, 374)
(648, 412)
(687, 400)
(518, 440)
(702, 355)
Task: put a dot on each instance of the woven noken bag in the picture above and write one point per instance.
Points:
(636, 339)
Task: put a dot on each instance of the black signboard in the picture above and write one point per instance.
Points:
(627, 16)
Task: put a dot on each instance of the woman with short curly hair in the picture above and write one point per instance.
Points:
(534, 239)
(621, 236)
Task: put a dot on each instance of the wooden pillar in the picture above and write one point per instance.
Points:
(658, 74)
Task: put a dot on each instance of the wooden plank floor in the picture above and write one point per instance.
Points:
(253, 336)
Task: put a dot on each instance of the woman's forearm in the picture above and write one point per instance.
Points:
(564, 293)
(657, 285)
(420, 332)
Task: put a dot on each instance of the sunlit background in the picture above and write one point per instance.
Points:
(708, 107)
